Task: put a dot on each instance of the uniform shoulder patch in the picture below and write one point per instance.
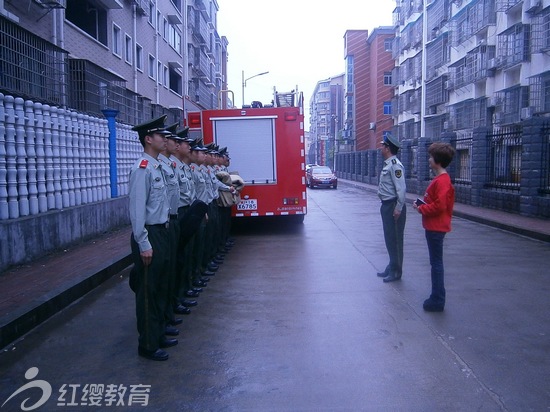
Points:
(144, 163)
(398, 173)
(394, 161)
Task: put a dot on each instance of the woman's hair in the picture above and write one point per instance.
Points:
(442, 153)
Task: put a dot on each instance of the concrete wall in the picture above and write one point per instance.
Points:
(31, 237)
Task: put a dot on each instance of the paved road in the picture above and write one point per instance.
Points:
(296, 320)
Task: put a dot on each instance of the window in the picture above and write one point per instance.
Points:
(151, 13)
(174, 38)
(151, 67)
(175, 82)
(165, 28)
(388, 44)
(177, 4)
(160, 72)
(387, 107)
(117, 40)
(88, 17)
(159, 19)
(128, 49)
(387, 78)
(165, 77)
(139, 57)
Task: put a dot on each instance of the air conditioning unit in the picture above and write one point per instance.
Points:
(449, 84)
(526, 112)
(497, 118)
(372, 126)
(446, 125)
(492, 63)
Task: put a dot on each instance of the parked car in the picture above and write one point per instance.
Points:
(321, 176)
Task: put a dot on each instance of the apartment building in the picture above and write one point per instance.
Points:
(142, 58)
(466, 64)
(326, 112)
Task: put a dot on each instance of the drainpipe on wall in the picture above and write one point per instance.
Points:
(134, 45)
(157, 89)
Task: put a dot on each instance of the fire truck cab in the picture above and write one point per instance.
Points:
(266, 146)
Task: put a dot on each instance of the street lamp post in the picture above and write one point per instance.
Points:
(251, 77)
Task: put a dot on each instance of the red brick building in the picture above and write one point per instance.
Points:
(368, 90)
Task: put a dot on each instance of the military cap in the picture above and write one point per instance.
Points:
(197, 146)
(151, 126)
(183, 134)
(390, 140)
(172, 128)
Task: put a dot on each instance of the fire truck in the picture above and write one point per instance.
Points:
(266, 146)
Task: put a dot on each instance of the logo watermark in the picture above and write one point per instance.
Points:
(89, 394)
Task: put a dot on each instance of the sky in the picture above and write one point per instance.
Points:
(299, 42)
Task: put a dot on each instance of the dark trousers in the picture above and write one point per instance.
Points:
(225, 223)
(183, 261)
(393, 236)
(210, 235)
(151, 287)
(173, 273)
(435, 250)
(197, 266)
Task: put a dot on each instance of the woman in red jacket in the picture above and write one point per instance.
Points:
(436, 211)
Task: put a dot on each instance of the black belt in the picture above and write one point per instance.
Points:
(389, 201)
(173, 217)
(159, 225)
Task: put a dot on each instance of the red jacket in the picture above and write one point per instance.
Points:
(440, 199)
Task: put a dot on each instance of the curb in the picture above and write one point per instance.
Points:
(16, 324)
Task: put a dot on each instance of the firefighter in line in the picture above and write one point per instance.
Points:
(188, 195)
(149, 209)
(173, 185)
(213, 255)
(198, 157)
(226, 201)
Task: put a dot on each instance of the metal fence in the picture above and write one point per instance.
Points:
(463, 159)
(504, 159)
(31, 67)
(37, 70)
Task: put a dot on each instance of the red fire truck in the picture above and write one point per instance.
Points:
(266, 145)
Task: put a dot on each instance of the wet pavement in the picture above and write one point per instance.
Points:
(296, 320)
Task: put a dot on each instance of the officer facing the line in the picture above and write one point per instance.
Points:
(391, 191)
(149, 215)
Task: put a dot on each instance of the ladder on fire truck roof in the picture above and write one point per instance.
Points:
(288, 99)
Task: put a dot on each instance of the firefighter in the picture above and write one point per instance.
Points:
(391, 191)
(188, 195)
(198, 158)
(149, 214)
(173, 187)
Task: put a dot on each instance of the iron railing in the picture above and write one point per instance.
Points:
(504, 159)
(31, 67)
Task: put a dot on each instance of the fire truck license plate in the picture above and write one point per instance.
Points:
(248, 204)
